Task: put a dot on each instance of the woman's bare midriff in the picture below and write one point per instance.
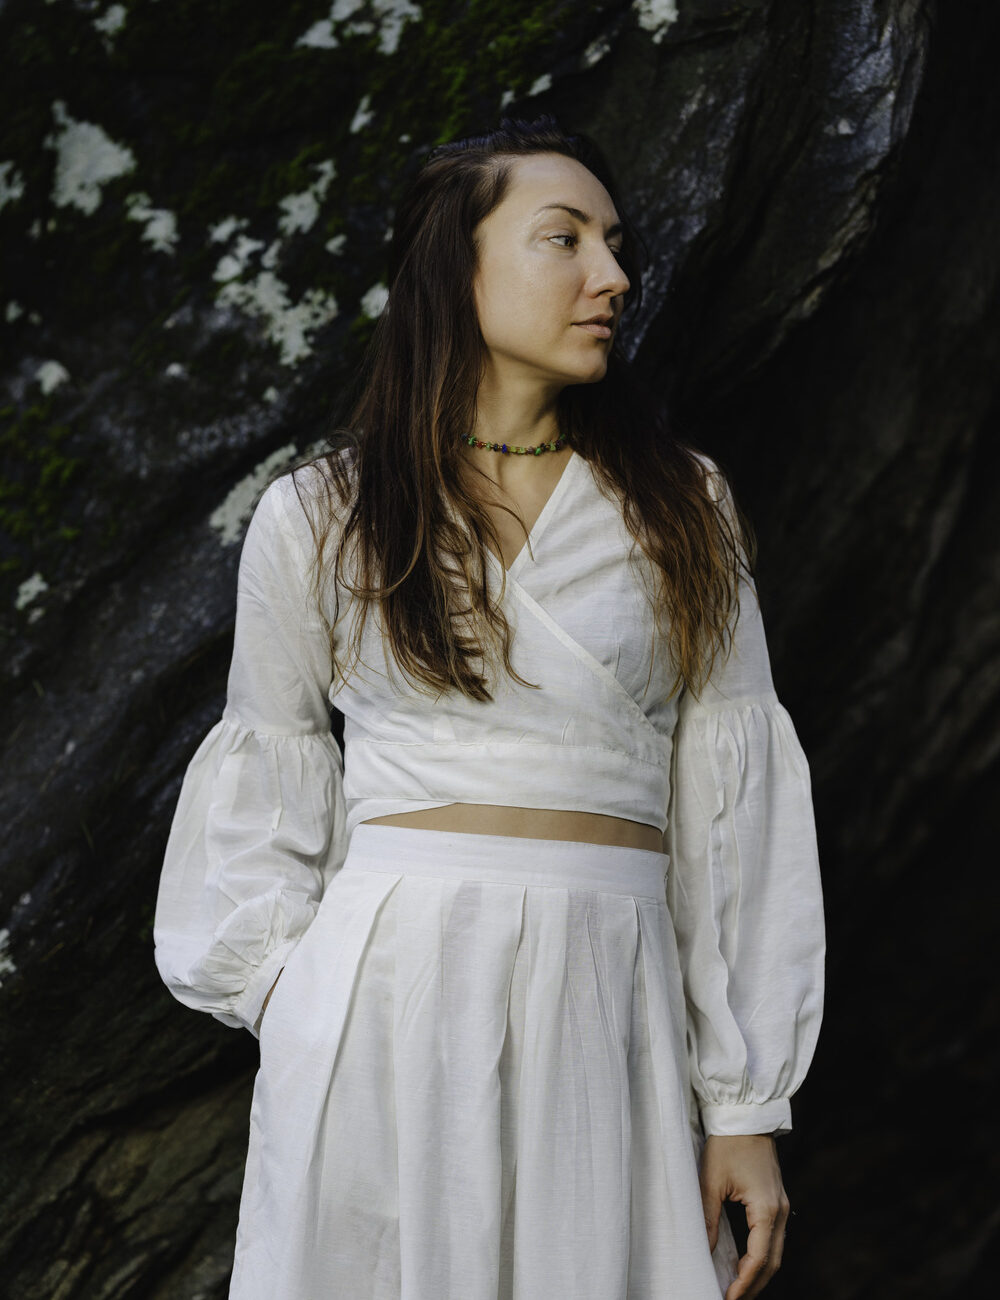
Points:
(532, 823)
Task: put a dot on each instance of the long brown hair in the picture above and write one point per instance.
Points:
(395, 496)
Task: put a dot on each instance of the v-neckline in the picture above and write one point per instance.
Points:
(541, 520)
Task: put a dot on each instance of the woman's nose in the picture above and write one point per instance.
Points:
(609, 275)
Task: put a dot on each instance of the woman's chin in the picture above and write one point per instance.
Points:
(596, 374)
(590, 371)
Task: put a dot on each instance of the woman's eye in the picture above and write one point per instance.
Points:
(617, 252)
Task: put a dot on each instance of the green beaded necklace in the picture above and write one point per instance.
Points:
(503, 447)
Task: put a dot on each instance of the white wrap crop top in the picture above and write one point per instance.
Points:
(268, 804)
(594, 737)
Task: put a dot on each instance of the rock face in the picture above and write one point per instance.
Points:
(193, 208)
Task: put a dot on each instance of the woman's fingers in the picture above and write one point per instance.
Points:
(765, 1245)
(711, 1200)
(753, 1272)
(778, 1236)
(755, 1268)
(746, 1169)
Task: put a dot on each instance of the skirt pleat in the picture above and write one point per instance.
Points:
(572, 1095)
(473, 1084)
(452, 940)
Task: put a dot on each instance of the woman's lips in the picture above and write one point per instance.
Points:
(598, 331)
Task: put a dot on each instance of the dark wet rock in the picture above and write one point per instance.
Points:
(817, 184)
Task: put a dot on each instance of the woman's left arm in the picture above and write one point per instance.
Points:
(743, 888)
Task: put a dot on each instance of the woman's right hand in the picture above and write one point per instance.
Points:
(267, 997)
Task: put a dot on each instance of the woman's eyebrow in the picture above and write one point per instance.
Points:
(582, 217)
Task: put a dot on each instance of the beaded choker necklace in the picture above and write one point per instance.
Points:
(560, 442)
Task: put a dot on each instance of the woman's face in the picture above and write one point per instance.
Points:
(543, 270)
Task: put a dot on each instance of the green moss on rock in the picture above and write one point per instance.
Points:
(35, 476)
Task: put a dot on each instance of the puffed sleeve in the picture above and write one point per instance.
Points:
(258, 830)
(743, 888)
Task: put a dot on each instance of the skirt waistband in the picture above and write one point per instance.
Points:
(507, 859)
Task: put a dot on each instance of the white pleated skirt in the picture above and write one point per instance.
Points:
(473, 1085)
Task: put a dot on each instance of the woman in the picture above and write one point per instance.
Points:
(536, 970)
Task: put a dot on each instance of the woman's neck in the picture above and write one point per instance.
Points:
(520, 414)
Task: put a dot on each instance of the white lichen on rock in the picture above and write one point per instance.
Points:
(230, 518)
(319, 36)
(300, 211)
(373, 302)
(161, 224)
(29, 590)
(262, 295)
(362, 115)
(7, 966)
(11, 184)
(50, 374)
(391, 16)
(235, 261)
(656, 17)
(86, 159)
(289, 325)
(111, 21)
(596, 50)
(222, 230)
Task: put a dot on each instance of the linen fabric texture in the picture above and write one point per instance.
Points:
(542, 1050)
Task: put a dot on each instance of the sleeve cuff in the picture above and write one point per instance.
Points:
(771, 1117)
(247, 1007)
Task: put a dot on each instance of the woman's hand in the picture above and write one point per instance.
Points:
(267, 996)
(746, 1169)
